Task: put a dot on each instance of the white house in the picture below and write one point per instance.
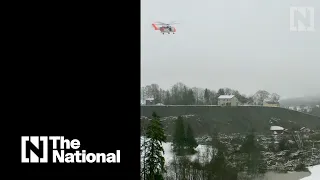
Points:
(277, 130)
(228, 100)
(150, 101)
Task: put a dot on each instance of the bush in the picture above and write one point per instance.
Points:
(287, 154)
(283, 145)
(271, 147)
(301, 167)
(315, 137)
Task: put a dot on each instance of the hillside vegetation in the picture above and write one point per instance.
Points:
(206, 119)
(316, 111)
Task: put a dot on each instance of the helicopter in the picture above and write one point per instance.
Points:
(165, 27)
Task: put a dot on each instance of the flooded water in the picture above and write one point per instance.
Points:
(285, 176)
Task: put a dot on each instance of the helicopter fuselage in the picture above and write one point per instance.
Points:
(167, 29)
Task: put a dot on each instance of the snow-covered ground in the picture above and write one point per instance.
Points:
(204, 153)
(315, 173)
(300, 108)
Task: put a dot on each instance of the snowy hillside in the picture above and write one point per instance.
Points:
(204, 153)
(305, 109)
(315, 173)
(202, 119)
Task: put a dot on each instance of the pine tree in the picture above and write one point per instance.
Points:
(221, 92)
(167, 98)
(218, 165)
(191, 143)
(154, 163)
(254, 161)
(191, 97)
(179, 140)
(206, 96)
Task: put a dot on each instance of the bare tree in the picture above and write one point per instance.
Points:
(213, 98)
(260, 96)
(228, 91)
(201, 96)
(275, 97)
(142, 154)
(143, 94)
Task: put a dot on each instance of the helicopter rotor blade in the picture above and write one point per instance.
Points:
(158, 22)
(173, 22)
(166, 24)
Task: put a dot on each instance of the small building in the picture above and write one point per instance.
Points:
(277, 132)
(150, 101)
(271, 104)
(277, 129)
(228, 100)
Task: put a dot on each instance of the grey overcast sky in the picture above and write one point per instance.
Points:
(240, 44)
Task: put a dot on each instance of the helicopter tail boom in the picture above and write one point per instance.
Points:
(155, 27)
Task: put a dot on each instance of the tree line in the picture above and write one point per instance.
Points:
(180, 94)
(245, 162)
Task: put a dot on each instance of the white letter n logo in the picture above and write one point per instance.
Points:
(33, 150)
(302, 19)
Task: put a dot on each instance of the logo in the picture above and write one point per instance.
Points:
(302, 19)
(34, 149)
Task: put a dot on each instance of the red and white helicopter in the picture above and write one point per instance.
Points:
(165, 28)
